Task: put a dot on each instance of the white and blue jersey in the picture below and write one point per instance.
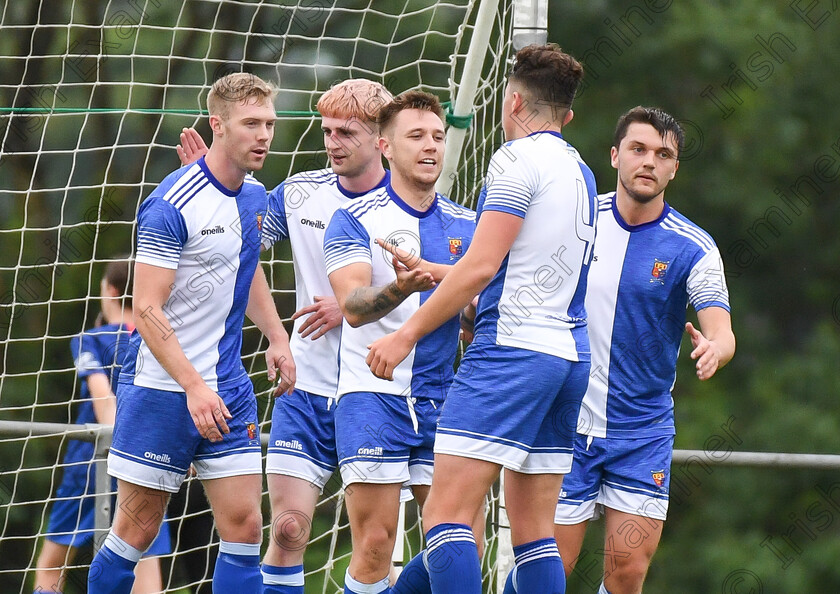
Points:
(536, 299)
(640, 284)
(299, 209)
(441, 234)
(210, 236)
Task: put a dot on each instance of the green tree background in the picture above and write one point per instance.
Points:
(755, 86)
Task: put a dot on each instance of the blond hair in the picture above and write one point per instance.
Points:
(354, 98)
(236, 88)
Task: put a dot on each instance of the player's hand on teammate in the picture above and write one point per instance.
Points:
(705, 353)
(278, 359)
(192, 146)
(208, 412)
(325, 315)
(388, 352)
(412, 281)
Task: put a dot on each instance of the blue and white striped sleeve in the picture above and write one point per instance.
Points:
(346, 241)
(510, 183)
(275, 227)
(706, 283)
(161, 234)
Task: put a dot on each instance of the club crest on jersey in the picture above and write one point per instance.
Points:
(456, 247)
(252, 430)
(657, 275)
(259, 221)
(658, 477)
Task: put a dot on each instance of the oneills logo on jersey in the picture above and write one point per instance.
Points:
(658, 477)
(456, 247)
(213, 230)
(657, 275)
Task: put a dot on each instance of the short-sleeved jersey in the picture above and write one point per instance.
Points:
(300, 209)
(98, 350)
(441, 235)
(641, 282)
(210, 236)
(536, 299)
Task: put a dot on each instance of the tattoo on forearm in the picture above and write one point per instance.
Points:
(372, 300)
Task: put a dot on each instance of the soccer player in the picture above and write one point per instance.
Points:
(650, 261)
(526, 370)
(184, 396)
(301, 452)
(98, 353)
(385, 430)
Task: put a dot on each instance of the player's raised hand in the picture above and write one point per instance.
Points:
(208, 412)
(410, 261)
(705, 353)
(192, 146)
(412, 280)
(325, 315)
(278, 359)
(388, 352)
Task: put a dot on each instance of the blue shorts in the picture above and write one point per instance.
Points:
(302, 442)
(513, 407)
(385, 439)
(155, 439)
(72, 516)
(629, 475)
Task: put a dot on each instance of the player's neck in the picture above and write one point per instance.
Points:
(118, 314)
(523, 131)
(419, 198)
(638, 213)
(364, 182)
(224, 170)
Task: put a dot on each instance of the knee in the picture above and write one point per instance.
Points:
(629, 574)
(376, 545)
(290, 531)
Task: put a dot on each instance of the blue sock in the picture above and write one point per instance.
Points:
(414, 579)
(452, 560)
(112, 569)
(282, 580)
(237, 568)
(539, 568)
(352, 586)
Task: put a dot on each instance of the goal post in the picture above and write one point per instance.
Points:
(93, 98)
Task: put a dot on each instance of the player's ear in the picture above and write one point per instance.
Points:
(568, 117)
(614, 157)
(674, 172)
(384, 147)
(216, 124)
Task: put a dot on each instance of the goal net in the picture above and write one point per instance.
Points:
(93, 98)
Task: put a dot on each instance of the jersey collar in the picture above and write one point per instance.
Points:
(634, 228)
(415, 213)
(386, 179)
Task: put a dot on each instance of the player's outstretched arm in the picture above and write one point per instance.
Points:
(151, 291)
(361, 303)
(493, 238)
(192, 146)
(414, 261)
(262, 311)
(714, 343)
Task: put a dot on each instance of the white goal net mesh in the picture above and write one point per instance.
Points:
(92, 99)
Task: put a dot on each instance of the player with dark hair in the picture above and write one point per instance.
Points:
(184, 396)
(524, 375)
(385, 429)
(98, 354)
(650, 261)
